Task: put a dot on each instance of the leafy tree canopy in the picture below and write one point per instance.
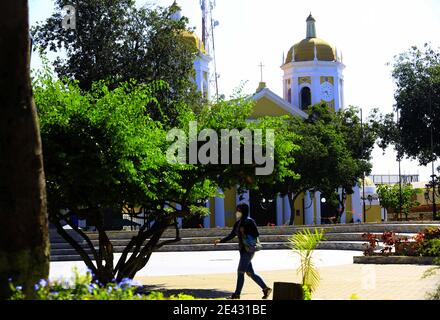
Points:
(118, 42)
(103, 150)
(416, 73)
(398, 199)
(334, 152)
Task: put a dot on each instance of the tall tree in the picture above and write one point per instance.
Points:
(24, 244)
(331, 157)
(103, 150)
(417, 77)
(397, 198)
(116, 41)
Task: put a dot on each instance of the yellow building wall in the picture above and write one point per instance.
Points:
(299, 219)
(420, 198)
(265, 107)
(373, 213)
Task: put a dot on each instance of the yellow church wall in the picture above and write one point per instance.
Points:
(230, 207)
(299, 219)
(265, 107)
(373, 214)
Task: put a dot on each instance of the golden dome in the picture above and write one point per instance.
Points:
(188, 36)
(311, 47)
(193, 39)
(305, 51)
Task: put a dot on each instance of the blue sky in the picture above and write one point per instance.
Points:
(369, 33)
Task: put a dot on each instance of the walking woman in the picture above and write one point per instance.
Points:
(244, 228)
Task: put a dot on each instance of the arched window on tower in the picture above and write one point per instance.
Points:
(306, 98)
(289, 95)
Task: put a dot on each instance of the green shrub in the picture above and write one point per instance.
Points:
(82, 288)
(430, 248)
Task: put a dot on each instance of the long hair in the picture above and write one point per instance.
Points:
(244, 209)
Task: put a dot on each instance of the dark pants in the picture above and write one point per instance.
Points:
(245, 266)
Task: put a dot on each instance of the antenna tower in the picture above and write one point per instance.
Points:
(208, 26)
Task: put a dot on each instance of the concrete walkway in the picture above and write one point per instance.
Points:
(382, 282)
(213, 275)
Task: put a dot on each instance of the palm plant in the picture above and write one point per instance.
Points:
(304, 243)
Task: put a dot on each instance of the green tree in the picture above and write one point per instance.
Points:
(396, 199)
(331, 156)
(116, 41)
(24, 241)
(104, 150)
(416, 73)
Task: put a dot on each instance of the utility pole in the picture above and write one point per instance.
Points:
(208, 25)
(363, 176)
(399, 159)
(434, 205)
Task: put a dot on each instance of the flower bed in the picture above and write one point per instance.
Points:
(425, 244)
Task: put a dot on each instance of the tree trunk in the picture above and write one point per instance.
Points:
(342, 199)
(142, 253)
(24, 241)
(292, 198)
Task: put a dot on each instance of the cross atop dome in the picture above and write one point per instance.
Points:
(311, 29)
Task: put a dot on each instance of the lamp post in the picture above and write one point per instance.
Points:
(399, 159)
(433, 176)
(435, 193)
(370, 199)
(434, 205)
(363, 175)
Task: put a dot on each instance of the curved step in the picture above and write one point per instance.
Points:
(282, 230)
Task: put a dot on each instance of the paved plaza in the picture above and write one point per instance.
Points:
(213, 274)
(337, 283)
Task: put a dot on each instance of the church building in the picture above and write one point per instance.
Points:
(312, 73)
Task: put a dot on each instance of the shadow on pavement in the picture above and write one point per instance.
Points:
(196, 293)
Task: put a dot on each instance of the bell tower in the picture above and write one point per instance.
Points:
(203, 59)
(313, 72)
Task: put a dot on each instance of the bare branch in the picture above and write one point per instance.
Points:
(80, 250)
(84, 236)
(166, 242)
